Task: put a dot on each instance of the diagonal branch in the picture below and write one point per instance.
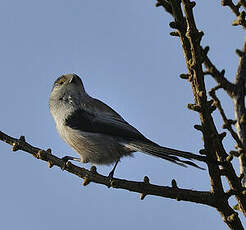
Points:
(227, 122)
(239, 108)
(144, 188)
(165, 5)
(219, 76)
(240, 20)
(194, 56)
(212, 141)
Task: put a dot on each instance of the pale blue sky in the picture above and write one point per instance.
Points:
(124, 54)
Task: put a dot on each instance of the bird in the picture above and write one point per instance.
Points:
(97, 132)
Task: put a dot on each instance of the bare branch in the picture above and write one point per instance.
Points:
(240, 20)
(144, 188)
(195, 56)
(227, 123)
(219, 76)
(239, 108)
(234, 8)
(165, 5)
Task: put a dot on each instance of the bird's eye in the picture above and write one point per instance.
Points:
(60, 82)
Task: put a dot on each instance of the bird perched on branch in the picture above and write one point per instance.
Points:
(98, 133)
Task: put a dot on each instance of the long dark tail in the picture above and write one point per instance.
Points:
(167, 153)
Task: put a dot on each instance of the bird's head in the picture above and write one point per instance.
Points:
(67, 84)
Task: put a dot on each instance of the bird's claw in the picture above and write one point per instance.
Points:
(65, 160)
(111, 176)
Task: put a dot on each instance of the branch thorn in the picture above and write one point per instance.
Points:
(198, 127)
(203, 152)
(234, 153)
(50, 164)
(41, 154)
(194, 107)
(222, 135)
(174, 33)
(184, 76)
(22, 138)
(15, 147)
(174, 183)
(229, 158)
(86, 181)
(93, 169)
(239, 52)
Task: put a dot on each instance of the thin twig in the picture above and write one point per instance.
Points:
(165, 5)
(219, 76)
(227, 123)
(240, 20)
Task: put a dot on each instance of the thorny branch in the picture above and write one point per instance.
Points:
(219, 76)
(239, 109)
(227, 122)
(144, 188)
(240, 20)
(196, 56)
(236, 91)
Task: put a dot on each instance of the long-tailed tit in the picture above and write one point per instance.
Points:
(98, 133)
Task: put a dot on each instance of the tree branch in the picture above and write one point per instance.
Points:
(195, 56)
(227, 122)
(165, 5)
(219, 76)
(240, 20)
(239, 108)
(211, 138)
(144, 188)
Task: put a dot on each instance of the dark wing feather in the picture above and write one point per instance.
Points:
(97, 117)
(103, 123)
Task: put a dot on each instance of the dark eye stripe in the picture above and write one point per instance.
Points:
(61, 82)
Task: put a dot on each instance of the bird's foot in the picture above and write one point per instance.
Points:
(67, 158)
(111, 174)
